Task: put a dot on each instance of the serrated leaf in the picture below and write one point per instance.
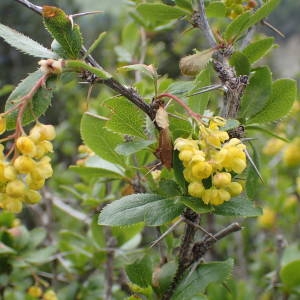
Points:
(39, 103)
(168, 187)
(216, 9)
(205, 274)
(126, 118)
(181, 87)
(162, 277)
(153, 209)
(284, 93)
(133, 147)
(180, 128)
(240, 63)
(24, 43)
(99, 139)
(237, 26)
(238, 206)
(159, 13)
(63, 30)
(230, 124)
(79, 65)
(126, 233)
(258, 49)
(256, 93)
(196, 204)
(140, 272)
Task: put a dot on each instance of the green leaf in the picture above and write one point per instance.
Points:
(178, 172)
(240, 63)
(258, 49)
(230, 124)
(24, 43)
(39, 103)
(266, 131)
(97, 167)
(237, 26)
(131, 37)
(162, 277)
(256, 93)
(216, 10)
(205, 274)
(79, 65)
(37, 236)
(196, 205)
(290, 263)
(99, 139)
(168, 187)
(140, 272)
(159, 13)
(180, 128)
(133, 147)
(263, 12)
(185, 4)
(284, 93)
(40, 256)
(198, 103)
(152, 209)
(252, 179)
(5, 250)
(145, 69)
(126, 117)
(290, 275)
(126, 233)
(61, 28)
(238, 206)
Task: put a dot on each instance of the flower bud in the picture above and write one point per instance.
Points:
(24, 164)
(196, 189)
(26, 146)
(15, 188)
(221, 179)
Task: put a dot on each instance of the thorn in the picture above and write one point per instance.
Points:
(86, 13)
(207, 89)
(166, 232)
(266, 23)
(253, 165)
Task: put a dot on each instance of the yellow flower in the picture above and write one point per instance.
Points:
(267, 219)
(26, 146)
(196, 189)
(221, 179)
(50, 295)
(35, 291)
(273, 146)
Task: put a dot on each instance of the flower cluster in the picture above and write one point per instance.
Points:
(210, 162)
(26, 173)
(238, 7)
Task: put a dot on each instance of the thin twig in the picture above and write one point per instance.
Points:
(35, 8)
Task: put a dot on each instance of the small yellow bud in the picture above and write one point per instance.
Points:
(50, 295)
(43, 148)
(10, 172)
(221, 179)
(12, 204)
(35, 291)
(290, 202)
(32, 197)
(24, 164)
(156, 175)
(196, 189)
(41, 132)
(234, 188)
(35, 182)
(201, 170)
(26, 146)
(186, 155)
(15, 188)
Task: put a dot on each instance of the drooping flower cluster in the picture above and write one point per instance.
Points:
(210, 163)
(21, 178)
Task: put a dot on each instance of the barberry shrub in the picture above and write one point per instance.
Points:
(169, 166)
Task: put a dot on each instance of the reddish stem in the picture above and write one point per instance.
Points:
(190, 112)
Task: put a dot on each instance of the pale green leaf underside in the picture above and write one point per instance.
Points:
(153, 209)
(24, 43)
